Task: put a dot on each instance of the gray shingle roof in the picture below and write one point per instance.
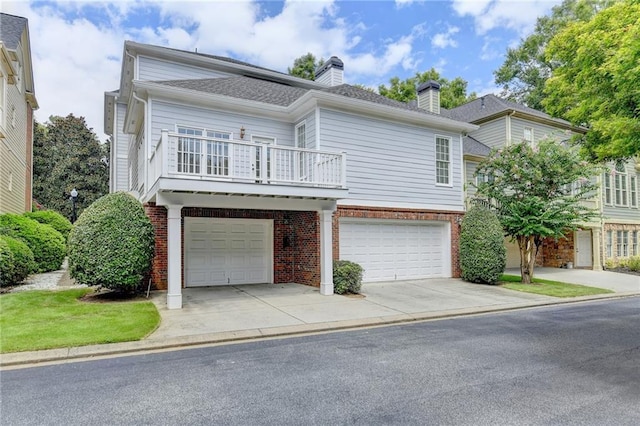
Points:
(243, 88)
(471, 146)
(489, 105)
(11, 29)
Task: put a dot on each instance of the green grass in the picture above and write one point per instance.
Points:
(34, 320)
(549, 288)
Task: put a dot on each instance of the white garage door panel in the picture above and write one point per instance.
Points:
(227, 251)
(396, 251)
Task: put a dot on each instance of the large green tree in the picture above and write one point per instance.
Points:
(305, 66)
(67, 155)
(537, 193)
(597, 80)
(525, 68)
(452, 92)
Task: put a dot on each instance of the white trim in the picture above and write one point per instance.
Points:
(317, 118)
(392, 205)
(449, 139)
(463, 171)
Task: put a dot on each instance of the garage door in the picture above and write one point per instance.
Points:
(513, 253)
(227, 251)
(396, 250)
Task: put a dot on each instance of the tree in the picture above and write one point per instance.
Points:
(538, 193)
(597, 79)
(305, 66)
(452, 92)
(525, 69)
(68, 155)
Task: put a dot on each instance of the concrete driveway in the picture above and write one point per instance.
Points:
(262, 306)
(620, 283)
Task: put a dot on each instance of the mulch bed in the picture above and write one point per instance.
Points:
(108, 296)
(624, 271)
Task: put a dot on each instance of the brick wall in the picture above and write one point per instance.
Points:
(402, 214)
(296, 243)
(158, 216)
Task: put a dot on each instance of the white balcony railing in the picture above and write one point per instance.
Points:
(204, 158)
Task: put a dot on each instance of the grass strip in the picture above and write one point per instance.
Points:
(35, 320)
(549, 287)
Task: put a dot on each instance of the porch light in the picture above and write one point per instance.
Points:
(242, 132)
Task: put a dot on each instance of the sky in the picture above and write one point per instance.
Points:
(77, 46)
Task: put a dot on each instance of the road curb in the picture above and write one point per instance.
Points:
(91, 352)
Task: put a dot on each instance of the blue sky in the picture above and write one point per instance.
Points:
(77, 45)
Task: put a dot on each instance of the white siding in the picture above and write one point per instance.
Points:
(470, 169)
(390, 162)
(540, 131)
(120, 150)
(492, 133)
(310, 123)
(151, 69)
(627, 214)
(166, 115)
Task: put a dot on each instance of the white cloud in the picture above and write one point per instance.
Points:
(77, 58)
(517, 15)
(489, 52)
(444, 40)
(403, 3)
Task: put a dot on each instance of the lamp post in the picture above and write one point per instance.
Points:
(73, 198)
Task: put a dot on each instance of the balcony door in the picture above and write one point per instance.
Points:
(262, 157)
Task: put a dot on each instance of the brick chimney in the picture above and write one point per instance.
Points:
(429, 96)
(331, 72)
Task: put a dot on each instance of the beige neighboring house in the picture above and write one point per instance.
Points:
(17, 103)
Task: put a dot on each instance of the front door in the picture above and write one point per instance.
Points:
(583, 249)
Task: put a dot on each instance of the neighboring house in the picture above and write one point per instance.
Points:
(254, 176)
(614, 236)
(17, 103)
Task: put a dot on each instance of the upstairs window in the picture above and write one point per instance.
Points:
(620, 183)
(443, 160)
(633, 190)
(608, 197)
(528, 135)
(301, 135)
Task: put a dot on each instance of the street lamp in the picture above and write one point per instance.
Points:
(74, 198)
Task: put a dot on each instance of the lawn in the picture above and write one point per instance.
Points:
(549, 288)
(34, 320)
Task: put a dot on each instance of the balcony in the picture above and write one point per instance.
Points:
(219, 165)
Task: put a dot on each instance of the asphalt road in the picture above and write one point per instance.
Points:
(570, 364)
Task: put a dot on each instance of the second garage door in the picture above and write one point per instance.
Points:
(227, 251)
(396, 250)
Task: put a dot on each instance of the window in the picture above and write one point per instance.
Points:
(623, 244)
(620, 182)
(609, 244)
(482, 178)
(634, 243)
(216, 151)
(443, 161)
(528, 135)
(607, 188)
(633, 188)
(301, 135)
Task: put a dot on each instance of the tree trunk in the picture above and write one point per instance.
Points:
(527, 257)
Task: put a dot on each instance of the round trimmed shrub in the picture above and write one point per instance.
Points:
(483, 256)
(347, 277)
(54, 219)
(16, 261)
(46, 243)
(111, 244)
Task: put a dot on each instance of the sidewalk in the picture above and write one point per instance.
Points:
(215, 315)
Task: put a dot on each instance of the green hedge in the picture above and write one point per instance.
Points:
(482, 253)
(54, 219)
(46, 243)
(16, 261)
(112, 243)
(347, 277)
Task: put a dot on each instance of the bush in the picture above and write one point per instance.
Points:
(16, 261)
(634, 263)
(52, 218)
(111, 244)
(46, 243)
(482, 253)
(347, 277)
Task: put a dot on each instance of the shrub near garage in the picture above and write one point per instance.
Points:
(347, 277)
(54, 219)
(46, 243)
(16, 261)
(482, 253)
(112, 243)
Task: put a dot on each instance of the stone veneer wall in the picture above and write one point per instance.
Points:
(556, 254)
(402, 214)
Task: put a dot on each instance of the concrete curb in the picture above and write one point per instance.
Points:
(91, 352)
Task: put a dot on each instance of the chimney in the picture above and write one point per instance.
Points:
(429, 96)
(330, 73)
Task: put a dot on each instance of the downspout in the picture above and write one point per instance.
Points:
(508, 126)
